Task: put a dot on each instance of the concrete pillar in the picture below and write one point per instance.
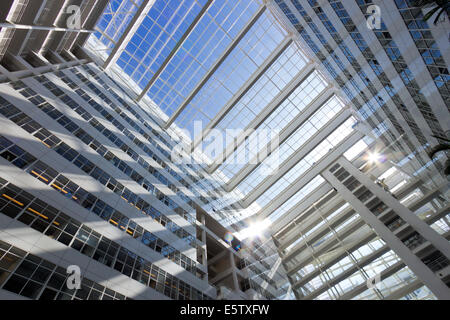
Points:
(205, 252)
(233, 268)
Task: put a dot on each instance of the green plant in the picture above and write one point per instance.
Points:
(442, 147)
(438, 6)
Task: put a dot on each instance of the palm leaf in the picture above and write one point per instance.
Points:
(439, 14)
(438, 148)
(430, 13)
(438, 6)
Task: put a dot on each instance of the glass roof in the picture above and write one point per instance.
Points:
(259, 42)
(156, 37)
(234, 65)
(271, 83)
(224, 63)
(115, 19)
(279, 119)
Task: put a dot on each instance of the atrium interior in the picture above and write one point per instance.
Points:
(224, 149)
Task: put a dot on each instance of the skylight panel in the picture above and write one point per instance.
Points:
(307, 91)
(388, 173)
(355, 150)
(293, 143)
(296, 198)
(270, 84)
(307, 162)
(155, 38)
(398, 186)
(114, 21)
(204, 45)
(262, 39)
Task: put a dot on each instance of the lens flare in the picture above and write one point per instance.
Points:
(375, 157)
(228, 237)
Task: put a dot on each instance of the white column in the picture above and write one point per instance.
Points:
(233, 268)
(403, 212)
(408, 257)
